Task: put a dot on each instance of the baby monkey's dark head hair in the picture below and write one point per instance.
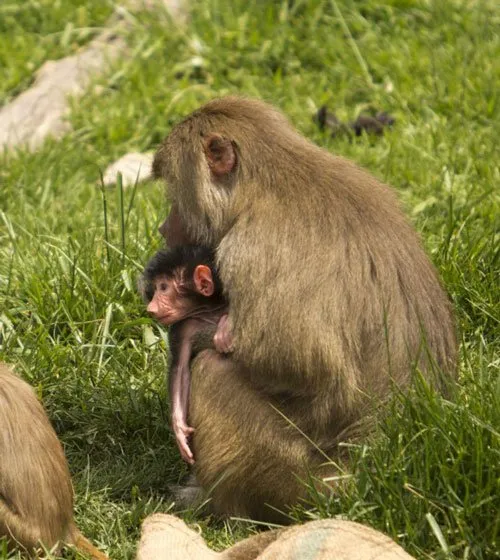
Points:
(183, 258)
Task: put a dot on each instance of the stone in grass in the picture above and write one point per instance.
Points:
(133, 167)
(42, 110)
(168, 537)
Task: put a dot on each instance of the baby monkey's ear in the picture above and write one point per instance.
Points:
(203, 281)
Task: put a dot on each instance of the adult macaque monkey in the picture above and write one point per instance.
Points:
(36, 495)
(183, 290)
(331, 299)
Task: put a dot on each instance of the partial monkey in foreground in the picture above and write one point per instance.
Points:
(36, 495)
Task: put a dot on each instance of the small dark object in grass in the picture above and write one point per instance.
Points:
(371, 124)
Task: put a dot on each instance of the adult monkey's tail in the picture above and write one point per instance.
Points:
(84, 545)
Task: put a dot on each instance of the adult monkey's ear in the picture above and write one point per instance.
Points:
(220, 154)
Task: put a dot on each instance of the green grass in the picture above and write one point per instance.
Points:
(69, 314)
(34, 31)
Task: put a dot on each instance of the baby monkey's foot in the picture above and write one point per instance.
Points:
(183, 434)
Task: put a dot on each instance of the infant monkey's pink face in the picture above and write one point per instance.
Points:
(168, 306)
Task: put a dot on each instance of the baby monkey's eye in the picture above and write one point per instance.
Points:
(163, 286)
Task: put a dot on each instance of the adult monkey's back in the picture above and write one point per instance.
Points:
(36, 495)
(331, 297)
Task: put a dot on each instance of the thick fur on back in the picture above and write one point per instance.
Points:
(331, 294)
(36, 496)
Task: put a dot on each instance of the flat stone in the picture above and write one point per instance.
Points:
(41, 110)
(133, 167)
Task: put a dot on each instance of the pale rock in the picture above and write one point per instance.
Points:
(133, 167)
(42, 110)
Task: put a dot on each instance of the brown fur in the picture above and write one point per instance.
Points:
(36, 495)
(331, 296)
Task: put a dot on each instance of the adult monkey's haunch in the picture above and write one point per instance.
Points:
(36, 495)
(331, 298)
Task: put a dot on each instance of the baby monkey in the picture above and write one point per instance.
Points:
(183, 290)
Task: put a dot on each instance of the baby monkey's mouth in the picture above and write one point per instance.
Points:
(167, 319)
